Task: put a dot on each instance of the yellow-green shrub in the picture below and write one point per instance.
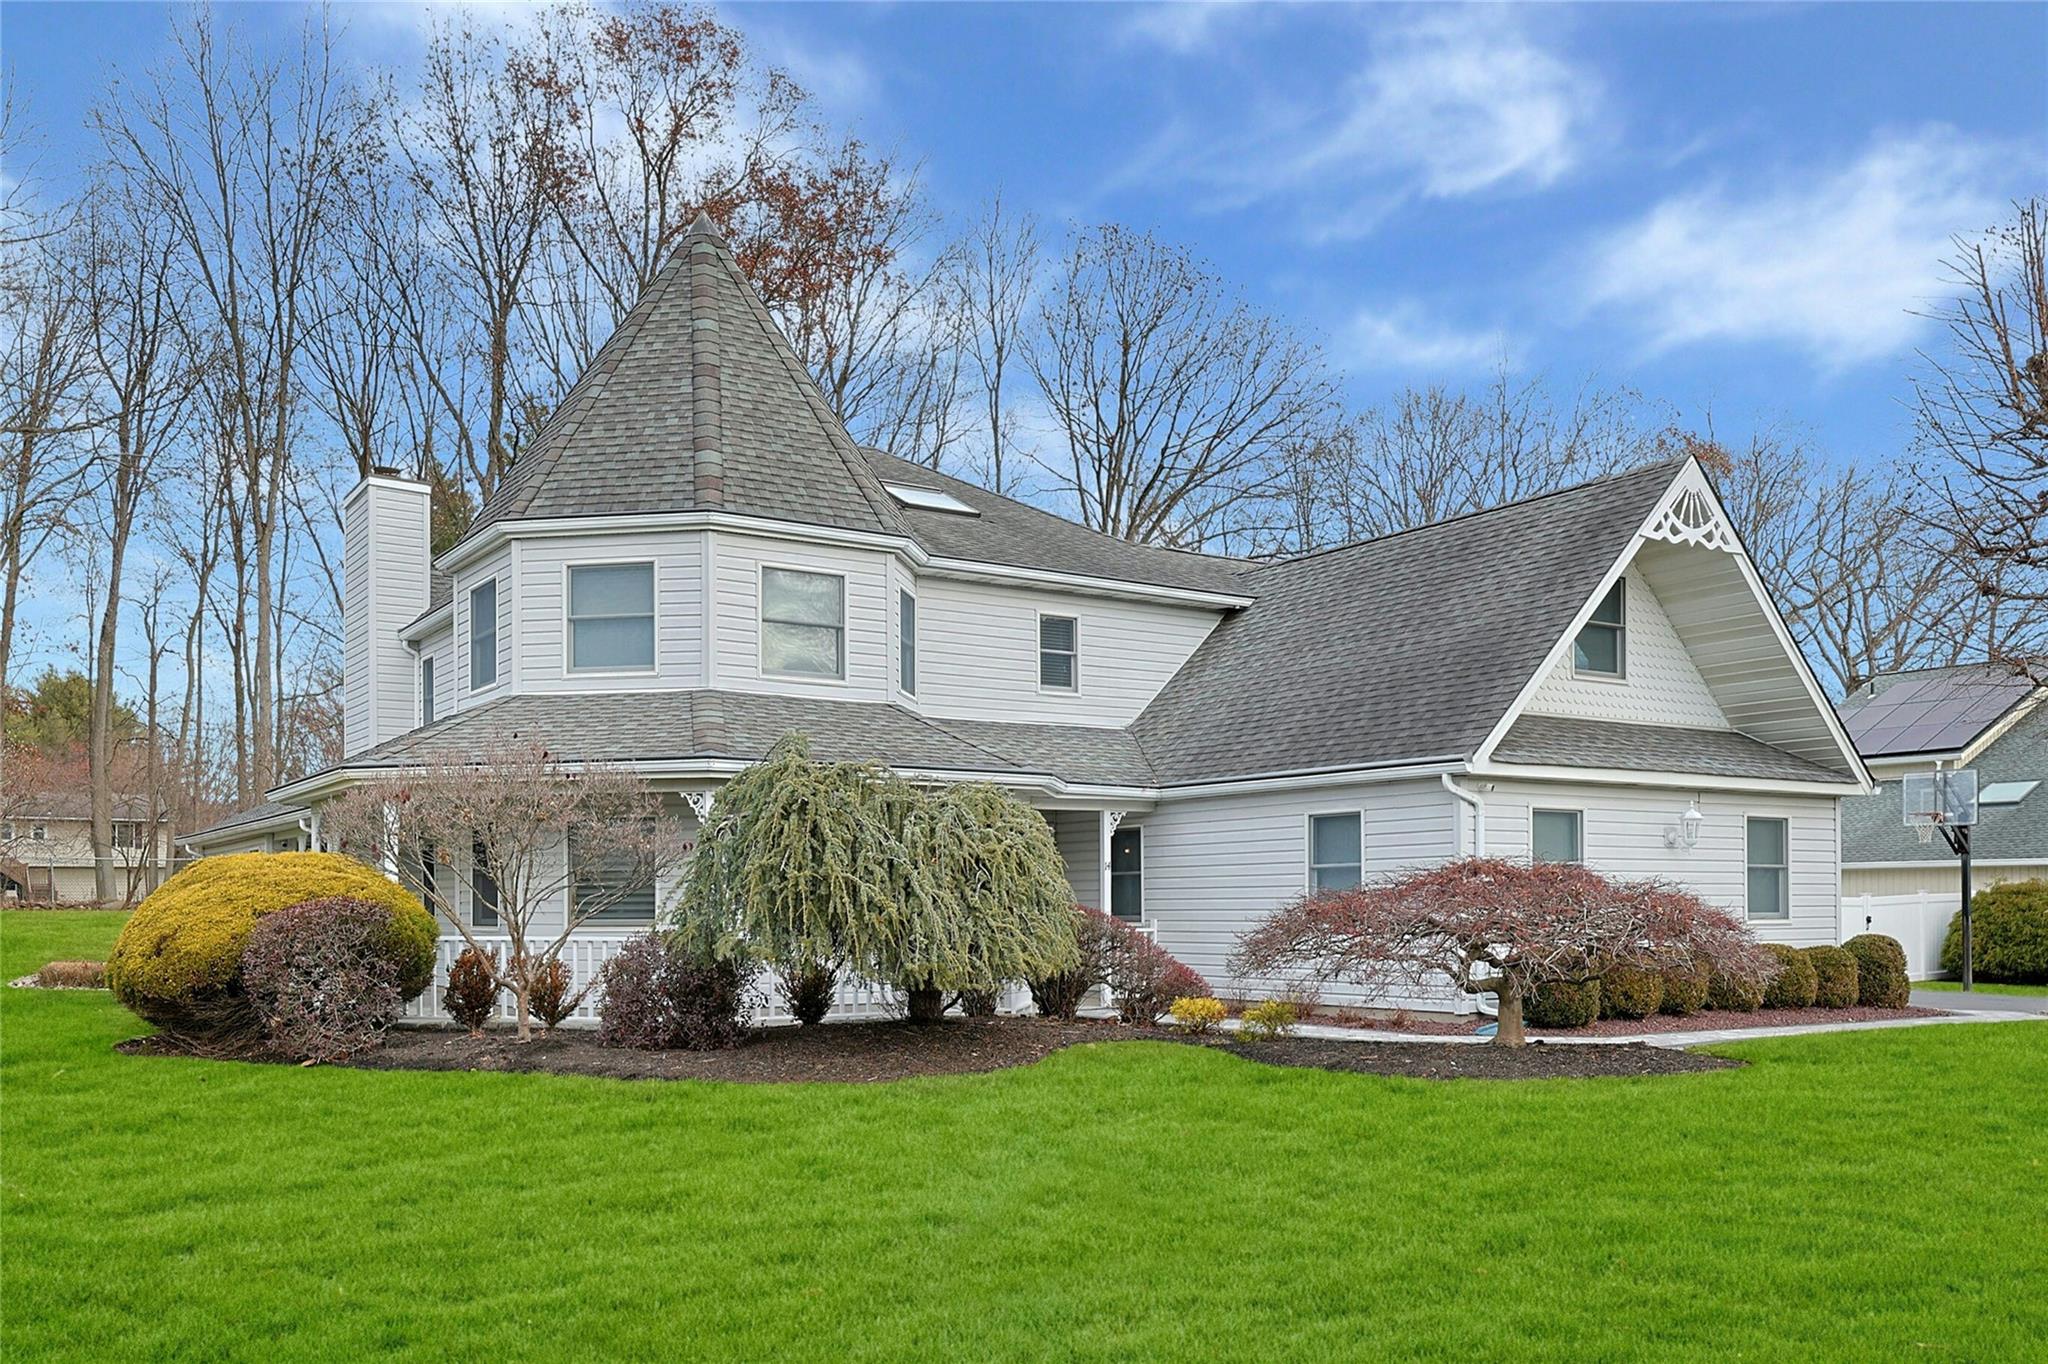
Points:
(178, 960)
(1268, 1019)
(1196, 1013)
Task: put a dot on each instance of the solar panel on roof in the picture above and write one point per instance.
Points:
(1939, 712)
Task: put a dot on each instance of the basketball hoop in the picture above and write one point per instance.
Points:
(1946, 799)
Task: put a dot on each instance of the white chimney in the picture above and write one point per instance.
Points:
(385, 572)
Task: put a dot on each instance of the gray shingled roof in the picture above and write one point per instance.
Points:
(1014, 533)
(1405, 648)
(263, 813)
(695, 402)
(743, 726)
(1563, 741)
(1873, 828)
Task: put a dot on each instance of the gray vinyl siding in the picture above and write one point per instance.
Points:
(1216, 865)
(978, 652)
(1624, 834)
(870, 614)
(496, 566)
(678, 610)
(384, 587)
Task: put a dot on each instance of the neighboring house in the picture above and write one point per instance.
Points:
(692, 558)
(46, 849)
(1980, 716)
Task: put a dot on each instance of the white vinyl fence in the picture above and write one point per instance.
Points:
(1918, 921)
(586, 955)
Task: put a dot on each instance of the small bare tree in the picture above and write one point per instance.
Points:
(549, 845)
(995, 274)
(1491, 926)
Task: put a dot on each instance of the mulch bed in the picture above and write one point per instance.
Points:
(861, 1053)
(1713, 1020)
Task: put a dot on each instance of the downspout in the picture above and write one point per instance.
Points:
(1472, 799)
(1488, 1005)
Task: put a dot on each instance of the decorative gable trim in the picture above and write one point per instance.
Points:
(1690, 516)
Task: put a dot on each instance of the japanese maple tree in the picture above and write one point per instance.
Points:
(1494, 926)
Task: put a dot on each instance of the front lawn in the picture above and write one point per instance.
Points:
(1851, 1196)
(1982, 987)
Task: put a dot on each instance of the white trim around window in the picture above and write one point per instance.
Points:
(652, 616)
(1131, 836)
(1072, 654)
(1323, 869)
(1613, 628)
(473, 641)
(1767, 870)
(1578, 832)
(906, 641)
(424, 684)
(762, 622)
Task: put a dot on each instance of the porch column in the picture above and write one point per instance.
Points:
(1107, 823)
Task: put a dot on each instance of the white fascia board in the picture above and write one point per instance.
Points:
(768, 528)
(1912, 762)
(1996, 730)
(440, 616)
(1678, 781)
(1425, 769)
(227, 832)
(1696, 477)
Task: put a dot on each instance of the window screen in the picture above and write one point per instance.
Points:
(1058, 653)
(1554, 836)
(803, 623)
(906, 643)
(611, 617)
(1336, 851)
(1769, 871)
(483, 634)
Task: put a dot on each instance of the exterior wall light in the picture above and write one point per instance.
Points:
(1686, 832)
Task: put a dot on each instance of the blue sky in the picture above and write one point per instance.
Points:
(1735, 207)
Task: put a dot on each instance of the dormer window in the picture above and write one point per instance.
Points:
(611, 617)
(803, 623)
(1601, 649)
(483, 634)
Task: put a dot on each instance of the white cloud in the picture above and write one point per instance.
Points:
(1404, 336)
(1447, 104)
(1181, 26)
(1836, 263)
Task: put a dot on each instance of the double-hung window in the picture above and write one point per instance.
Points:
(1336, 851)
(1127, 873)
(1601, 649)
(1059, 656)
(483, 888)
(906, 643)
(483, 634)
(1770, 884)
(803, 623)
(611, 617)
(427, 690)
(612, 888)
(1556, 836)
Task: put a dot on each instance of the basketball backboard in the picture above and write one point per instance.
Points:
(1941, 797)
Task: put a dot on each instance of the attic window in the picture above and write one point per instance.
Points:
(1601, 648)
(929, 499)
(2005, 792)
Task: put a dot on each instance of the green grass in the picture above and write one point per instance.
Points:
(1865, 1196)
(1982, 987)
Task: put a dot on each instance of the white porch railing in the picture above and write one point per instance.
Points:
(586, 954)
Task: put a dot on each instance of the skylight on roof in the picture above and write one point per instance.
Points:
(2005, 792)
(929, 499)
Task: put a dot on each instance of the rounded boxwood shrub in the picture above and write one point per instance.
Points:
(1733, 995)
(1685, 990)
(178, 961)
(1630, 992)
(1834, 977)
(2008, 934)
(1794, 984)
(1880, 971)
(1562, 1004)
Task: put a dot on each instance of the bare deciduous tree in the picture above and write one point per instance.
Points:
(548, 845)
(1173, 400)
(1982, 410)
(994, 278)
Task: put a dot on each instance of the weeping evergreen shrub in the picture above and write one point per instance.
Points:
(940, 893)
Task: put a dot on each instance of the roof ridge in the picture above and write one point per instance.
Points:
(1641, 470)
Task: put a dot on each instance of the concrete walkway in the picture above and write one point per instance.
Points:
(1678, 1040)
(1980, 1001)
